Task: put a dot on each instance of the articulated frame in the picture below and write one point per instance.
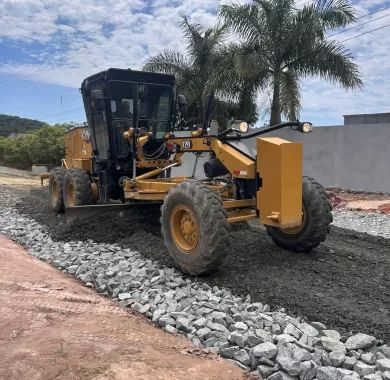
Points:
(277, 170)
(143, 188)
(279, 165)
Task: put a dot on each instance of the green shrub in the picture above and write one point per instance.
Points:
(44, 146)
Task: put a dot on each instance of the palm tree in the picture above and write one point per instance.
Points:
(195, 74)
(281, 44)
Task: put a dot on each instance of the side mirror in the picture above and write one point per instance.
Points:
(182, 103)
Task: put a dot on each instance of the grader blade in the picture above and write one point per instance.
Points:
(77, 213)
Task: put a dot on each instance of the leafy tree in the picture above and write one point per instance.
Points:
(195, 74)
(3, 144)
(16, 152)
(44, 146)
(47, 145)
(281, 44)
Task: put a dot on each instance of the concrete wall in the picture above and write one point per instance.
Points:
(353, 157)
(41, 169)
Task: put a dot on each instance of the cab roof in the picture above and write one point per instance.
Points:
(129, 75)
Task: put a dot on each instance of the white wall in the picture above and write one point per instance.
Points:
(353, 157)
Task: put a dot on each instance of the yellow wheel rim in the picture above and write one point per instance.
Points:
(185, 228)
(298, 229)
(70, 195)
(55, 191)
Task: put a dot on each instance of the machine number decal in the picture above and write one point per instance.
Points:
(186, 144)
(242, 173)
(85, 135)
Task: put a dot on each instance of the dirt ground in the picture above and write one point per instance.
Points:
(16, 180)
(53, 327)
(344, 283)
(369, 202)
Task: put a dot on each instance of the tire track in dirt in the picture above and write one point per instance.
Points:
(46, 335)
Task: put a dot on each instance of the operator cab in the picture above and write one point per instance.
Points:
(116, 100)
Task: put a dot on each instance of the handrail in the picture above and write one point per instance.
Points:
(258, 133)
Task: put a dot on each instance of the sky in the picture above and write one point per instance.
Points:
(47, 47)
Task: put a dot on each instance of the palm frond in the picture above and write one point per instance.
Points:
(306, 25)
(168, 61)
(310, 23)
(219, 33)
(235, 64)
(246, 20)
(193, 33)
(332, 61)
(335, 13)
(248, 60)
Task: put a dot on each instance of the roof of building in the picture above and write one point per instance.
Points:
(368, 114)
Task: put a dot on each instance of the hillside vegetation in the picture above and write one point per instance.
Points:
(43, 146)
(14, 125)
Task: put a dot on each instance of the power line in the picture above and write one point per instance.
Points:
(60, 112)
(66, 116)
(52, 111)
(53, 106)
(372, 13)
(358, 26)
(70, 119)
(9, 80)
(61, 115)
(304, 2)
(368, 32)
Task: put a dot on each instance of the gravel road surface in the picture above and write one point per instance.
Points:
(376, 224)
(344, 283)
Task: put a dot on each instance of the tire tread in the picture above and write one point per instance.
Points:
(213, 222)
(82, 186)
(320, 209)
(57, 174)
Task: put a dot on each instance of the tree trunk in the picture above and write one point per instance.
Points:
(276, 117)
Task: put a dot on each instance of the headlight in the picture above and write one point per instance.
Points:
(305, 127)
(244, 127)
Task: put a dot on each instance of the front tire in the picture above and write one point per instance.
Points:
(77, 188)
(194, 227)
(56, 182)
(317, 216)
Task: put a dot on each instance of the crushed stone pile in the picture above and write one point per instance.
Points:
(270, 343)
(376, 224)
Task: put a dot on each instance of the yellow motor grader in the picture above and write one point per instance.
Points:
(123, 158)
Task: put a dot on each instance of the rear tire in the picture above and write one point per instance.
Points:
(77, 188)
(56, 182)
(317, 211)
(194, 227)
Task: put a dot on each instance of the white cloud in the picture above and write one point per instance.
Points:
(71, 40)
(134, 31)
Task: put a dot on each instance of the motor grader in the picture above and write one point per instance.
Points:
(124, 154)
